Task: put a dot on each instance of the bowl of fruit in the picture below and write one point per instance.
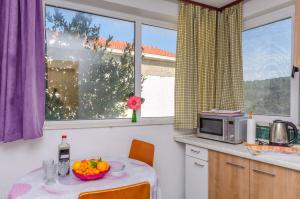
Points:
(92, 169)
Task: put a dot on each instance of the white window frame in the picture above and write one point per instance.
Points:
(139, 21)
(273, 16)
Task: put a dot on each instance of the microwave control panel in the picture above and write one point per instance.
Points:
(231, 130)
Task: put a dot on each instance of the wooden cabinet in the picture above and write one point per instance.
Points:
(228, 176)
(297, 34)
(272, 182)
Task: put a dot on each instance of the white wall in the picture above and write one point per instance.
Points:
(18, 158)
(155, 9)
(253, 8)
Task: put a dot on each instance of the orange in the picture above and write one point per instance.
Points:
(102, 166)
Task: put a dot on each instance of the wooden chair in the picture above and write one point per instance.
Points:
(142, 151)
(136, 191)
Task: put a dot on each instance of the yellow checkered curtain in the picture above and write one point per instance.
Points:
(208, 62)
(229, 73)
(205, 32)
(195, 64)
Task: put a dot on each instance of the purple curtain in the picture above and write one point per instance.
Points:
(22, 69)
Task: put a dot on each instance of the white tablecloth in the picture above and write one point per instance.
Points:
(32, 185)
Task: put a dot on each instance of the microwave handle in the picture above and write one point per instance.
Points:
(225, 132)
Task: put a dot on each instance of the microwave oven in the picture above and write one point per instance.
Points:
(230, 129)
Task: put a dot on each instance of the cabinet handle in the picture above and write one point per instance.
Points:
(194, 151)
(264, 172)
(235, 165)
(198, 164)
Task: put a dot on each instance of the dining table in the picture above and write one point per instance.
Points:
(33, 186)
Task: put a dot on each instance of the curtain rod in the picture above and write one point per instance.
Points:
(231, 4)
(201, 4)
(212, 7)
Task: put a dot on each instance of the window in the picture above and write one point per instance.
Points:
(90, 65)
(91, 69)
(158, 71)
(267, 68)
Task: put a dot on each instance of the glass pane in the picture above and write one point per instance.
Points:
(158, 71)
(90, 65)
(267, 68)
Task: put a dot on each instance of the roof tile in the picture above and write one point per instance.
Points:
(115, 44)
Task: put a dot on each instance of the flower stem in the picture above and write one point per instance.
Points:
(133, 119)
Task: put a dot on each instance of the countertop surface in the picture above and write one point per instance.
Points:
(291, 161)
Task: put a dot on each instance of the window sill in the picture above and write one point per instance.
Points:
(87, 124)
(265, 120)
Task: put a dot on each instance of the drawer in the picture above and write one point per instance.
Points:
(228, 161)
(196, 152)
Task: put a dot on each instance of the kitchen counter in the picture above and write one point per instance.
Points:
(283, 160)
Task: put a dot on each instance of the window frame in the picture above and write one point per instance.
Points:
(265, 19)
(138, 22)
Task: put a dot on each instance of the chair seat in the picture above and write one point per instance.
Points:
(135, 191)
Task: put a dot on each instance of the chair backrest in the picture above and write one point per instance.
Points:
(135, 191)
(142, 151)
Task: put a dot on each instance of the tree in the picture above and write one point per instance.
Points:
(54, 105)
(108, 83)
(80, 24)
(269, 96)
(107, 80)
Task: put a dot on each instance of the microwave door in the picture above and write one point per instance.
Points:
(212, 126)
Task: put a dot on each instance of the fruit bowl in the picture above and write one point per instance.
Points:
(90, 169)
(87, 177)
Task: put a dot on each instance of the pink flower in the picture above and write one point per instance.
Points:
(134, 102)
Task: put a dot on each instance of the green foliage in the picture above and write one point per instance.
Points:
(54, 105)
(269, 97)
(107, 84)
(80, 24)
(106, 80)
(57, 20)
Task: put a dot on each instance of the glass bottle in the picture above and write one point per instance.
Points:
(63, 157)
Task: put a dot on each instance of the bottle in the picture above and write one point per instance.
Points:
(63, 157)
(251, 129)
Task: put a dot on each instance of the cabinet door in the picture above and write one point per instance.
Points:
(196, 178)
(228, 176)
(272, 182)
(297, 35)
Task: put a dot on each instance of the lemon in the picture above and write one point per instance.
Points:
(76, 165)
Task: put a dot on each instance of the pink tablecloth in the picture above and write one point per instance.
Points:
(32, 185)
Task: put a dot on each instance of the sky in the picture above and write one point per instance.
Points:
(124, 30)
(267, 51)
